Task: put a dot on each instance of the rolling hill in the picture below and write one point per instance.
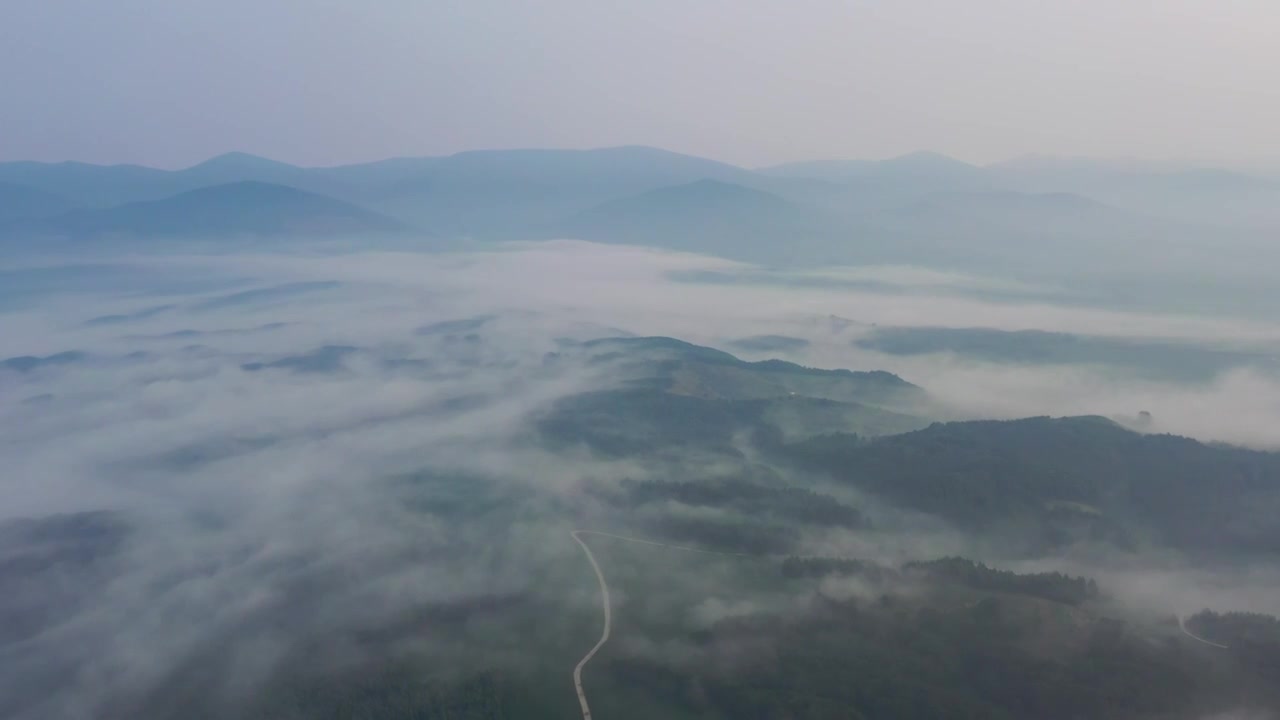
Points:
(683, 368)
(90, 185)
(919, 165)
(235, 167)
(241, 208)
(617, 169)
(104, 186)
(877, 183)
(1034, 219)
(826, 170)
(1053, 481)
(1161, 359)
(20, 202)
(1182, 193)
(717, 218)
(1032, 235)
(474, 193)
(680, 395)
(506, 193)
(855, 188)
(1025, 216)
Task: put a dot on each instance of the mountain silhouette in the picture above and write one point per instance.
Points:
(239, 208)
(716, 218)
(503, 193)
(20, 202)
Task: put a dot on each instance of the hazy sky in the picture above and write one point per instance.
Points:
(749, 81)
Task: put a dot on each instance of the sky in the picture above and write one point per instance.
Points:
(754, 82)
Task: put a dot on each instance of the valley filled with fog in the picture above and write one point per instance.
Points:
(268, 473)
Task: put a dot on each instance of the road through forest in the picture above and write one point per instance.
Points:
(1183, 627)
(608, 613)
(604, 600)
(604, 636)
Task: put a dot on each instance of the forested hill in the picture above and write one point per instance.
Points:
(676, 396)
(1079, 478)
(687, 369)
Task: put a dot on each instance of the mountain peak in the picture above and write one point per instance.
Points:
(239, 160)
(927, 160)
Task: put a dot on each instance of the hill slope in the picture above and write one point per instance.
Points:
(236, 167)
(625, 169)
(683, 368)
(507, 192)
(1067, 479)
(241, 208)
(88, 184)
(894, 179)
(717, 218)
(20, 202)
(678, 395)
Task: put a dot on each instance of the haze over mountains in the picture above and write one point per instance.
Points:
(1174, 238)
(506, 193)
(245, 207)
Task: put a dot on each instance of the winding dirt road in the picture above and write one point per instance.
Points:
(1183, 627)
(604, 599)
(608, 613)
(604, 636)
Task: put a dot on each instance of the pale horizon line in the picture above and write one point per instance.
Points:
(1131, 162)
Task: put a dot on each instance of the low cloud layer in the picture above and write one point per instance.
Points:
(255, 460)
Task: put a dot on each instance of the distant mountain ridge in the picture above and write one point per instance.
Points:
(930, 168)
(505, 194)
(717, 218)
(633, 168)
(237, 208)
(1035, 218)
(21, 202)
